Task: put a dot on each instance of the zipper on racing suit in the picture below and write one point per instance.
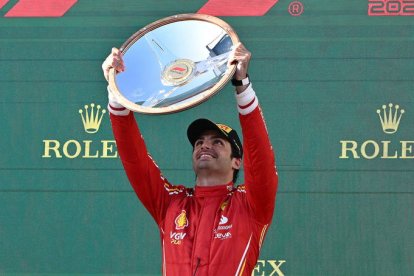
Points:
(198, 263)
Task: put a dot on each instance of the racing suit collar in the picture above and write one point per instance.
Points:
(203, 191)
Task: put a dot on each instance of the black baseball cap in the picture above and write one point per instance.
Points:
(196, 128)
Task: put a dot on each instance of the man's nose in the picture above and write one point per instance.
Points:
(206, 144)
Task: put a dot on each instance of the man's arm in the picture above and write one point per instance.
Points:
(259, 162)
(151, 187)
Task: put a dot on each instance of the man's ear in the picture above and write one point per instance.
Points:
(236, 163)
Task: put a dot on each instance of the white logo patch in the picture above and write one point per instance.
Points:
(223, 220)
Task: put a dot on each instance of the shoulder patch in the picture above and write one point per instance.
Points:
(171, 189)
(241, 188)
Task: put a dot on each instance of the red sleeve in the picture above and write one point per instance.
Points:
(151, 187)
(259, 166)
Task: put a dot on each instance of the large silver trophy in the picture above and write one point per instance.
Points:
(174, 64)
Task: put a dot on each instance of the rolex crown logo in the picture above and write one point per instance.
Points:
(390, 118)
(92, 119)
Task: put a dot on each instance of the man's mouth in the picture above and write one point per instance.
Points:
(205, 156)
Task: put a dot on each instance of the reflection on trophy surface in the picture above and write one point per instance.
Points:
(179, 72)
(173, 67)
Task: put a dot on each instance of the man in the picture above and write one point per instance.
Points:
(214, 228)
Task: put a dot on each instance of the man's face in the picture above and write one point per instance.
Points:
(212, 155)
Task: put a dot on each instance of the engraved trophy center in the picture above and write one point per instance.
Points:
(178, 72)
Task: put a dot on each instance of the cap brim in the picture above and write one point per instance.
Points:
(196, 128)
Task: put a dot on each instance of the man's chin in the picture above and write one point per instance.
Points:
(203, 165)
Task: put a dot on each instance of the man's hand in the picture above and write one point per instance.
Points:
(114, 60)
(241, 57)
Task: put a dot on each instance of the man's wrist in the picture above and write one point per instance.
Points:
(246, 100)
(114, 106)
(240, 81)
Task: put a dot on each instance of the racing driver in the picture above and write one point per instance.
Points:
(215, 228)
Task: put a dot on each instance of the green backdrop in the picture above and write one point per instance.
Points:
(320, 78)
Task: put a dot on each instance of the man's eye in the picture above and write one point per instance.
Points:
(198, 143)
(218, 142)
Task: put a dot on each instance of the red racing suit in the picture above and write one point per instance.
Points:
(206, 230)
